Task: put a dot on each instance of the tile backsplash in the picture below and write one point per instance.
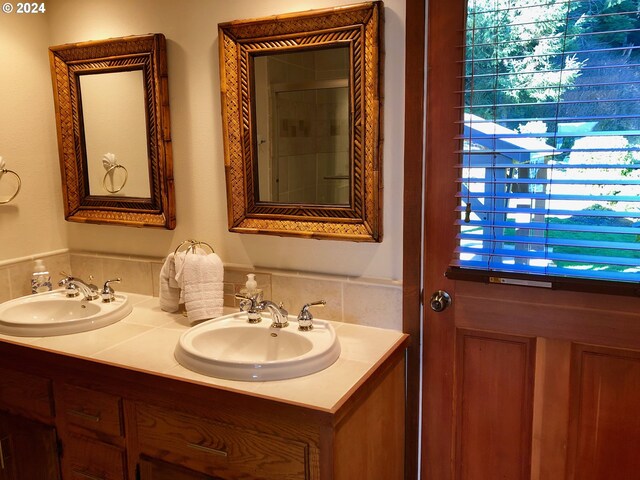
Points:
(356, 300)
(15, 277)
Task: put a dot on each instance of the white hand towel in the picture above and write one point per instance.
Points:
(169, 295)
(178, 265)
(202, 286)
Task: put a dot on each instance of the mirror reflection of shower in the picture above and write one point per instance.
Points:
(303, 136)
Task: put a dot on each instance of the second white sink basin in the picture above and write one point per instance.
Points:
(228, 347)
(53, 313)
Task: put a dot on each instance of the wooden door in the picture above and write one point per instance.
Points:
(28, 449)
(519, 382)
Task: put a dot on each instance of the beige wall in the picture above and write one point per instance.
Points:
(190, 27)
(33, 222)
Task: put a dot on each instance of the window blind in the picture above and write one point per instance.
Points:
(549, 171)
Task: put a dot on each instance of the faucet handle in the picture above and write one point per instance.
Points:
(249, 304)
(108, 293)
(65, 279)
(305, 318)
(70, 289)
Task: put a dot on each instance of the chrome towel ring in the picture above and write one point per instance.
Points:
(191, 245)
(109, 173)
(6, 170)
(110, 164)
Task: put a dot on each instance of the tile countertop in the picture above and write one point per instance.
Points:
(123, 344)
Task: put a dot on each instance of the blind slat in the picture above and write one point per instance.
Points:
(553, 135)
(550, 255)
(543, 104)
(538, 182)
(552, 242)
(556, 212)
(554, 120)
(552, 227)
(556, 197)
(627, 276)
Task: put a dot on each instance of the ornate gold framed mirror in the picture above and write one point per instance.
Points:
(302, 111)
(114, 137)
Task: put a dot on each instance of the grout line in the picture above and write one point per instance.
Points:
(115, 345)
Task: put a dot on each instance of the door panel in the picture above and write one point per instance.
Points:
(573, 316)
(494, 405)
(605, 425)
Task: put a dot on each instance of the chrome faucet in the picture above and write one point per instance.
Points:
(254, 308)
(74, 286)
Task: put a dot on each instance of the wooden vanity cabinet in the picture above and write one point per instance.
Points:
(119, 423)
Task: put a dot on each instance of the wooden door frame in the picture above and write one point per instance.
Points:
(442, 20)
(414, 116)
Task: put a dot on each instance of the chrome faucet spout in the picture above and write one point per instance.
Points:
(278, 313)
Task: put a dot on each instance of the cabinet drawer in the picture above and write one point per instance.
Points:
(26, 393)
(90, 409)
(151, 469)
(216, 449)
(87, 459)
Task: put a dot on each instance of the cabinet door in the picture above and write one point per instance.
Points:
(151, 469)
(28, 450)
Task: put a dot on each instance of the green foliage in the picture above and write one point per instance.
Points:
(526, 57)
(514, 53)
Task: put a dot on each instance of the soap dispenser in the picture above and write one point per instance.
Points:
(40, 279)
(251, 291)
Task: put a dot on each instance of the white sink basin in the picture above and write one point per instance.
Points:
(52, 313)
(228, 347)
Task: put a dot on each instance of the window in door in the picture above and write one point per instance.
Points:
(549, 169)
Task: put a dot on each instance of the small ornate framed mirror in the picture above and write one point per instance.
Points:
(114, 136)
(302, 109)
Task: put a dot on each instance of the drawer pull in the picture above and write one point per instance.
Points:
(214, 451)
(85, 416)
(82, 474)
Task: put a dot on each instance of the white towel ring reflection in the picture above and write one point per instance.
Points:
(6, 170)
(110, 171)
(191, 246)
